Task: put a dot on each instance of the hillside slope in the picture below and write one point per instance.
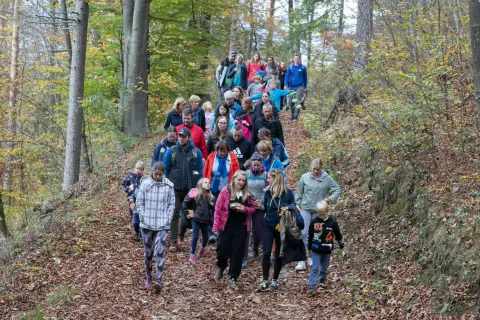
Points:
(90, 268)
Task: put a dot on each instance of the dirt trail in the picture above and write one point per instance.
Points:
(105, 268)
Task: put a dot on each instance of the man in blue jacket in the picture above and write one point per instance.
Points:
(296, 79)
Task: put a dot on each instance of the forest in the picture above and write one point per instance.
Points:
(392, 108)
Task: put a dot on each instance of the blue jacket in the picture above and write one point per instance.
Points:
(272, 206)
(273, 163)
(278, 150)
(160, 151)
(173, 119)
(233, 111)
(296, 76)
(275, 96)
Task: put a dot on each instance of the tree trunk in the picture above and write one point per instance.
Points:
(3, 222)
(66, 32)
(127, 20)
(270, 28)
(12, 96)
(75, 111)
(291, 27)
(233, 33)
(474, 13)
(136, 123)
(364, 34)
(341, 23)
(310, 17)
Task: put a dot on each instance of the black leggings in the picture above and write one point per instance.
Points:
(231, 245)
(270, 235)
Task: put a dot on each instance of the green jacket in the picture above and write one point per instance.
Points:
(311, 190)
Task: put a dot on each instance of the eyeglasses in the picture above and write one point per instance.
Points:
(222, 123)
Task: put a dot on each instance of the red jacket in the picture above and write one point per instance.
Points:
(198, 138)
(222, 209)
(207, 168)
(251, 68)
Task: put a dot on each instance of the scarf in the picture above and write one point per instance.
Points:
(257, 172)
(221, 171)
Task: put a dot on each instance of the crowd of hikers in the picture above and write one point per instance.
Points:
(221, 172)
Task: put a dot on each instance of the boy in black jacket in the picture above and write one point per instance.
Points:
(321, 233)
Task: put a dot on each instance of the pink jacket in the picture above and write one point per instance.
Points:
(221, 210)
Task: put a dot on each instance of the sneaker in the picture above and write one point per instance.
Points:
(301, 266)
(192, 259)
(322, 286)
(148, 283)
(157, 287)
(202, 253)
(212, 239)
(256, 255)
(309, 262)
(219, 273)
(244, 264)
(233, 284)
(264, 286)
(273, 285)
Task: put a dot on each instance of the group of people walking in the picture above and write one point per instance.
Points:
(221, 173)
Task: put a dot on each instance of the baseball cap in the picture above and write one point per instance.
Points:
(233, 53)
(185, 132)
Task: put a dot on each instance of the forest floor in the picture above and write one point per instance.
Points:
(93, 269)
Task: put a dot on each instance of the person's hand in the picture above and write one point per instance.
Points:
(240, 208)
(305, 90)
(285, 88)
(132, 206)
(236, 69)
(236, 121)
(245, 122)
(190, 214)
(131, 187)
(257, 203)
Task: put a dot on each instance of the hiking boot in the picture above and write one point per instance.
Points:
(148, 283)
(219, 273)
(202, 253)
(173, 248)
(244, 264)
(256, 255)
(212, 239)
(273, 285)
(309, 262)
(264, 286)
(157, 287)
(192, 259)
(311, 290)
(301, 266)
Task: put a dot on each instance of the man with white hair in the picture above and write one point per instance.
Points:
(267, 121)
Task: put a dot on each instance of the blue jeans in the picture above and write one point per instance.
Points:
(197, 227)
(318, 262)
(136, 222)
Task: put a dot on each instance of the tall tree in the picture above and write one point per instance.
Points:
(71, 172)
(364, 33)
(474, 13)
(136, 43)
(12, 96)
(270, 28)
(66, 31)
(3, 222)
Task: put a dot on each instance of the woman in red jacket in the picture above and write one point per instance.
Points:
(253, 66)
(233, 205)
(220, 167)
